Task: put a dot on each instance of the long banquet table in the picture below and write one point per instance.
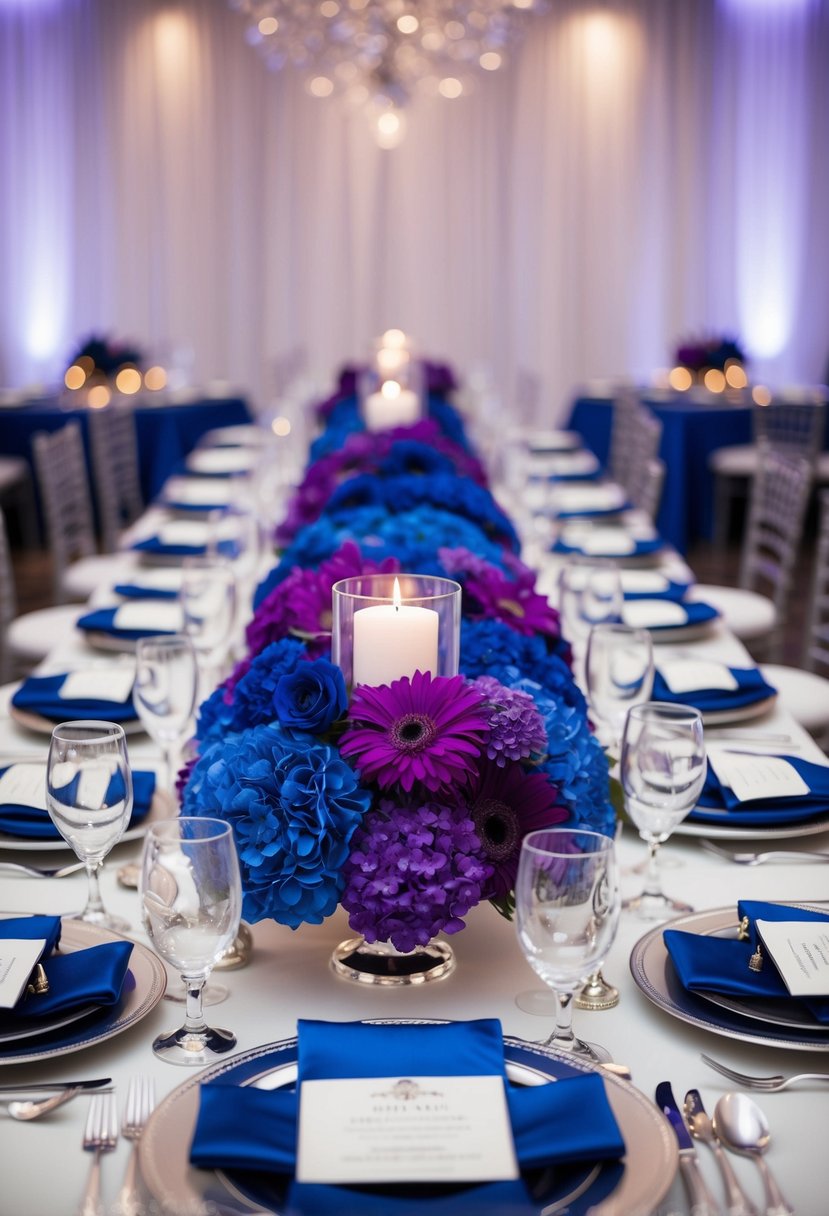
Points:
(288, 977)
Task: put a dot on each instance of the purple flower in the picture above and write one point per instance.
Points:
(422, 730)
(413, 872)
(505, 804)
(516, 726)
(490, 594)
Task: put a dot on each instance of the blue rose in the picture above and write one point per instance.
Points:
(311, 697)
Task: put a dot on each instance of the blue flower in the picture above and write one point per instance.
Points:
(251, 701)
(294, 805)
(488, 648)
(311, 697)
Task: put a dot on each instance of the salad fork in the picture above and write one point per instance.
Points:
(770, 1084)
(139, 1107)
(759, 859)
(100, 1135)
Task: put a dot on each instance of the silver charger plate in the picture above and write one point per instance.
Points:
(743, 713)
(654, 975)
(650, 1160)
(758, 832)
(161, 807)
(44, 726)
(143, 989)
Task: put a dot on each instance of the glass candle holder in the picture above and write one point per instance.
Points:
(386, 626)
(391, 396)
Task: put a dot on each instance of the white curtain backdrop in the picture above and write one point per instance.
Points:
(642, 171)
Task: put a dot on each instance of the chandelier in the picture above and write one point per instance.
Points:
(378, 54)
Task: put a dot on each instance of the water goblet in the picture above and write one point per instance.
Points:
(590, 594)
(208, 601)
(663, 772)
(619, 672)
(191, 903)
(566, 916)
(89, 800)
(166, 683)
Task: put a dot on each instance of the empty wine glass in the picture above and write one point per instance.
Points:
(619, 674)
(566, 916)
(191, 903)
(663, 772)
(89, 800)
(208, 601)
(166, 683)
(590, 594)
(238, 538)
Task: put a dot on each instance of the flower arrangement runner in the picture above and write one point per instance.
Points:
(406, 801)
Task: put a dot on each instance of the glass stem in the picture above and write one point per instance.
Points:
(653, 877)
(94, 904)
(563, 1035)
(194, 1022)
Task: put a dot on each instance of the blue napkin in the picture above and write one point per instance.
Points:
(641, 548)
(155, 546)
(135, 591)
(39, 695)
(695, 614)
(594, 512)
(47, 927)
(673, 591)
(717, 964)
(816, 776)
(102, 620)
(751, 688)
(33, 823)
(240, 1127)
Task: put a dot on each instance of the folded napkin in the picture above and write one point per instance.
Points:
(104, 620)
(751, 688)
(717, 964)
(33, 823)
(159, 547)
(39, 695)
(816, 777)
(240, 1127)
(661, 614)
(85, 977)
(139, 591)
(655, 587)
(638, 548)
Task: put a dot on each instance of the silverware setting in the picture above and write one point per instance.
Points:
(772, 1084)
(97, 1083)
(100, 1136)
(759, 859)
(742, 1127)
(26, 1110)
(722, 733)
(702, 1129)
(139, 1106)
(702, 1201)
(16, 867)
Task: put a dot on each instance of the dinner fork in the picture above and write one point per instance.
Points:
(100, 1135)
(16, 867)
(759, 859)
(768, 1084)
(139, 1107)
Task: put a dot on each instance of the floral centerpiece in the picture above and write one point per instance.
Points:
(406, 803)
(702, 355)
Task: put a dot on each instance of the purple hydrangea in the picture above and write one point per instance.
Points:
(515, 725)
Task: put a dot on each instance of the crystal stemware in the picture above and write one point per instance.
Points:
(619, 674)
(590, 594)
(663, 772)
(191, 903)
(166, 683)
(566, 916)
(89, 800)
(208, 601)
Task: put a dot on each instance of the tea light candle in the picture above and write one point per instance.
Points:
(394, 640)
(392, 406)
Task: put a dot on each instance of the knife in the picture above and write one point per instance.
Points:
(55, 1085)
(703, 1202)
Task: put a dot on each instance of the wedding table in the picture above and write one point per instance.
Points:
(288, 977)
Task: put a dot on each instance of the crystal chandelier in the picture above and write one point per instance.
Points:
(380, 53)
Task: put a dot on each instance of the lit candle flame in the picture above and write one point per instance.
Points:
(390, 390)
(396, 597)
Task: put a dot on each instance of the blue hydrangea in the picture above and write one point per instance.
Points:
(489, 648)
(252, 700)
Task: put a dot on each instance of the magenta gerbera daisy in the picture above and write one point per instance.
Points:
(505, 804)
(423, 730)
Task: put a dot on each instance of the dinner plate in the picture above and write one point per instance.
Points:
(726, 827)
(143, 988)
(649, 1165)
(32, 1028)
(741, 713)
(654, 974)
(45, 726)
(160, 808)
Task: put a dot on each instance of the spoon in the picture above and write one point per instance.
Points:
(25, 1111)
(701, 1128)
(742, 1127)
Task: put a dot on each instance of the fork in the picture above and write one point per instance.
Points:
(100, 1135)
(16, 867)
(759, 859)
(767, 1084)
(139, 1107)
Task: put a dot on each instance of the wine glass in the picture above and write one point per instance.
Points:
(166, 683)
(619, 673)
(590, 594)
(208, 601)
(89, 800)
(238, 538)
(663, 772)
(566, 916)
(191, 903)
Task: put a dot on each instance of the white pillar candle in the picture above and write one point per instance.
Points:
(392, 406)
(394, 640)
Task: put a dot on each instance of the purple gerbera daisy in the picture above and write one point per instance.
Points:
(505, 805)
(424, 729)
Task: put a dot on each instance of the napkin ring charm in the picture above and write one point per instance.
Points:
(743, 934)
(38, 982)
(755, 963)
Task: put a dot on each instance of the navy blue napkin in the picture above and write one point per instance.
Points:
(816, 776)
(672, 591)
(137, 591)
(641, 548)
(695, 614)
(46, 927)
(102, 620)
(39, 695)
(33, 823)
(157, 547)
(751, 688)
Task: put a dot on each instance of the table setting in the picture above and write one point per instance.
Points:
(388, 752)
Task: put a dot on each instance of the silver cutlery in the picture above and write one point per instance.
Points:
(24, 1111)
(759, 859)
(100, 1135)
(97, 1083)
(701, 1128)
(717, 733)
(702, 1201)
(770, 1084)
(16, 867)
(139, 1107)
(742, 1127)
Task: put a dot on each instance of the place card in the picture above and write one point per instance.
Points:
(18, 957)
(109, 684)
(191, 532)
(647, 614)
(611, 542)
(159, 617)
(683, 675)
(196, 492)
(162, 579)
(800, 951)
(754, 778)
(24, 785)
(588, 498)
(222, 460)
(405, 1129)
(643, 582)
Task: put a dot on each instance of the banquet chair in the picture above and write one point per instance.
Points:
(793, 421)
(755, 611)
(115, 471)
(636, 434)
(646, 492)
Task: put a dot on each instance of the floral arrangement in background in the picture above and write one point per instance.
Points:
(106, 356)
(714, 352)
(405, 803)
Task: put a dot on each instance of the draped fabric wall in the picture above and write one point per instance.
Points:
(642, 171)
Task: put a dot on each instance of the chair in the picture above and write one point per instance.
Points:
(115, 471)
(646, 493)
(794, 421)
(17, 494)
(777, 511)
